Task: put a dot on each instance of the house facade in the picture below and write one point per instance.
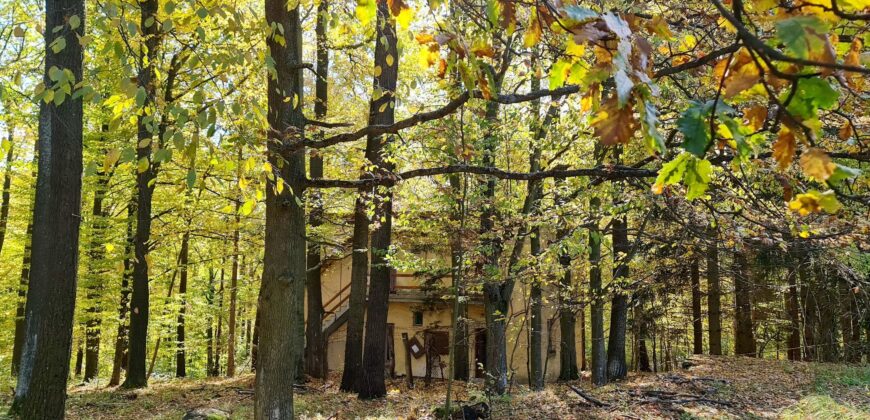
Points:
(426, 319)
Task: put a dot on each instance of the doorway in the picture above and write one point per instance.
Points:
(480, 353)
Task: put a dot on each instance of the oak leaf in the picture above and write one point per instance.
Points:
(817, 164)
(614, 125)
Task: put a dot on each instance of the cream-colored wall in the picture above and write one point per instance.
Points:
(337, 275)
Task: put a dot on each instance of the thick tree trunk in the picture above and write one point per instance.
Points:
(121, 343)
(744, 338)
(599, 357)
(41, 389)
(18, 342)
(697, 321)
(95, 278)
(381, 112)
(315, 342)
(282, 291)
(234, 284)
(145, 183)
(714, 308)
(536, 327)
(616, 365)
(181, 351)
(218, 339)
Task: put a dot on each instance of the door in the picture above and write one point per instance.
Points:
(480, 353)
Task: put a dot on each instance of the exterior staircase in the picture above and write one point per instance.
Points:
(335, 311)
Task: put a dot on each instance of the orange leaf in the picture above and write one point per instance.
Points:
(755, 116)
(613, 125)
(845, 131)
(817, 164)
(783, 149)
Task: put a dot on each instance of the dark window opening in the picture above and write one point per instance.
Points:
(418, 318)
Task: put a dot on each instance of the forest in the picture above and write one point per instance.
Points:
(435, 209)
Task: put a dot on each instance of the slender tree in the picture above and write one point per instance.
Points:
(616, 365)
(697, 321)
(744, 338)
(381, 112)
(599, 357)
(714, 311)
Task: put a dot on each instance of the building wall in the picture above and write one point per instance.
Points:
(404, 303)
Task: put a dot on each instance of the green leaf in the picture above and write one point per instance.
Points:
(191, 177)
(140, 97)
(580, 14)
(801, 34)
(74, 21)
(493, 12)
(695, 126)
(202, 12)
(248, 207)
(697, 177)
(812, 94)
(58, 44)
(843, 173)
(654, 140)
(558, 73)
(163, 155)
(673, 171)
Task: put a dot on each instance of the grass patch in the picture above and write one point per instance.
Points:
(829, 378)
(822, 407)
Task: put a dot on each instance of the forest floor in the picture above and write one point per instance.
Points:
(712, 387)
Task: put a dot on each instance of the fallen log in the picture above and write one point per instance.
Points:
(583, 394)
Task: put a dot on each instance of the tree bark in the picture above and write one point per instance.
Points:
(810, 308)
(697, 320)
(7, 186)
(181, 352)
(714, 311)
(282, 290)
(121, 342)
(218, 340)
(234, 284)
(145, 183)
(460, 347)
(315, 350)
(828, 342)
(18, 342)
(616, 365)
(381, 112)
(567, 348)
(744, 338)
(95, 279)
(599, 357)
(50, 307)
(209, 331)
(357, 301)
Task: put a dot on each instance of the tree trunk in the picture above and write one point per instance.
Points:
(145, 183)
(460, 347)
(218, 340)
(80, 356)
(810, 308)
(828, 342)
(50, 307)
(714, 311)
(792, 308)
(234, 284)
(581, 317)
(315, 350)
(18, 343)
(697, 321)
(536, 353)
(7, 186)
(180, 352)
(283, 287)
(744, 338)
(599, 361)
(381, 112)
(209, 331)
(357, 302)
(567, 349)
(95, 279)
(616, 366)
(121, 343)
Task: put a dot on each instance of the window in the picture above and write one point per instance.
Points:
(418, 318)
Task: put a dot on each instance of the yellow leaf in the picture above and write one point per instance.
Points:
(817, 164)
(533, 31)
(814, 201)
(742, 75)
(111, 158)
(783, 149)
(365, 11)
(390, 60)
(378, 71)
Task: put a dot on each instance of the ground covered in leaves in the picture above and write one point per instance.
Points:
(708, 387)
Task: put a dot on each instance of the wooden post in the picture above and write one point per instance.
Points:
(408, 371)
